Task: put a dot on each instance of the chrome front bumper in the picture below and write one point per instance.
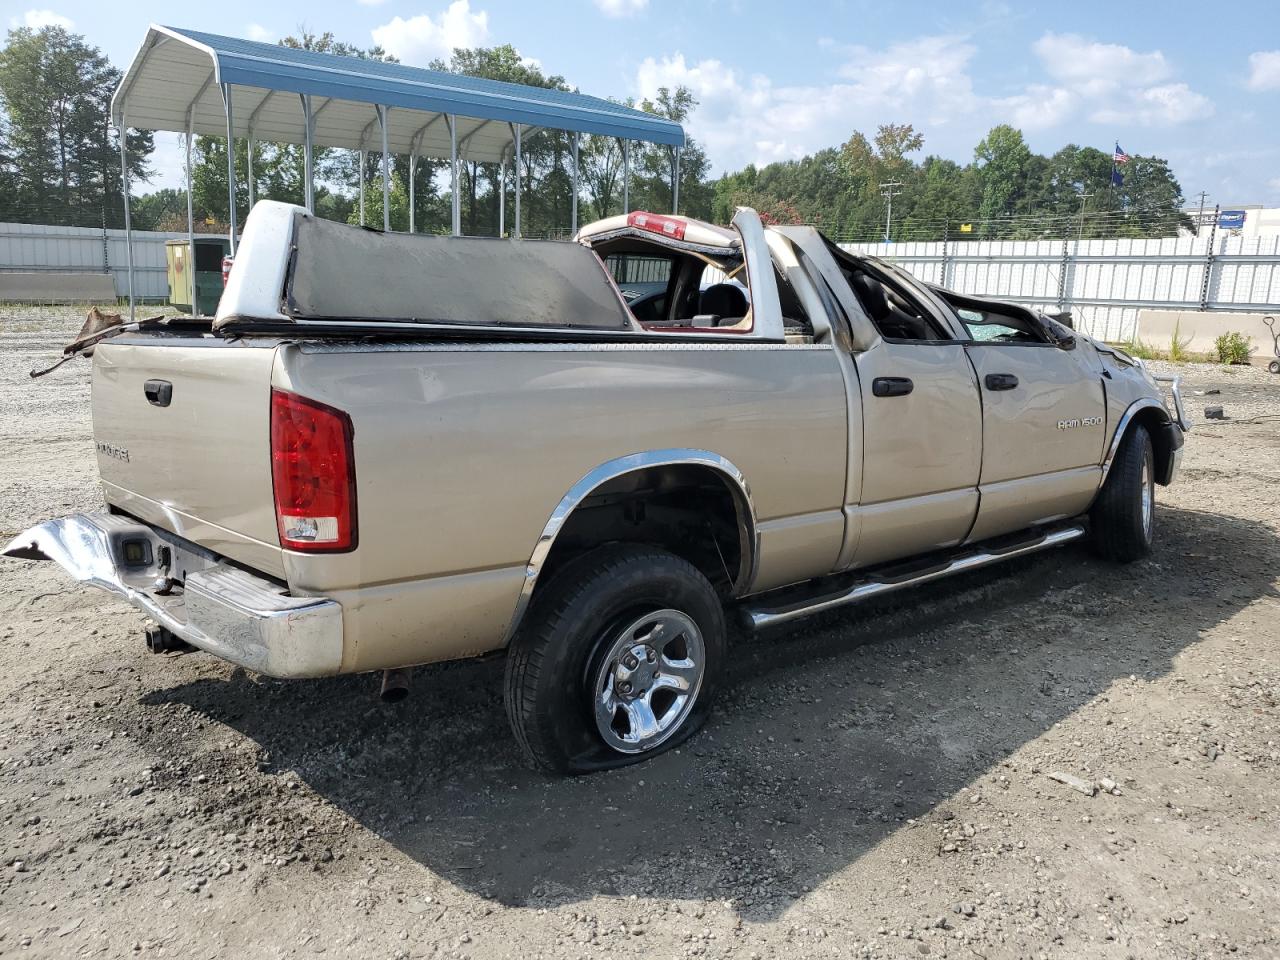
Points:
(1175, 390)
(219, 608)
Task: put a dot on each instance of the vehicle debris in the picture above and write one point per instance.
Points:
(1075, 783)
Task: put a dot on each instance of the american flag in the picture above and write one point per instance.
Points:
(1120, 156)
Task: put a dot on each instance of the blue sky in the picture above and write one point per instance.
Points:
(1196, 83)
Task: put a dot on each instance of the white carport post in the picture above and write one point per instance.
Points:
(675, 183)
(574, 216)
(123, 131)
(248, 162)
(251, 125)
(308, 153)
(454, 200)
(626, 176)
(502, 194)
(191, 219)
(386, 171)
(515, 136)
(413, 176)
(231, 169)
(361, 181)
(191, 215)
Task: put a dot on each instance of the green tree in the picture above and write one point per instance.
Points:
(61, 156)
(162, 210)
(278, 168)
(1002, 157)
(655, 171)
(1151, 199)
(600, 170)
(543, 178)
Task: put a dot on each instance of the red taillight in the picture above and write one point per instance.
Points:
(226, 268)
(313, 470)
(656, 223)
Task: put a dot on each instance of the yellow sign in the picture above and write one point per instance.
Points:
(209, 221)
(966, 228)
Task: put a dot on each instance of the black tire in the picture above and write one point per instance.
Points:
(1120, 528)
(557, 656)
(1274, 366)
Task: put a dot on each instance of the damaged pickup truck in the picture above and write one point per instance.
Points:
(389, 450)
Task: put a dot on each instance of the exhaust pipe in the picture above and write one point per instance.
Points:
(395, 685)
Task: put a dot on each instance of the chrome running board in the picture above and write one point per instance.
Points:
(763, 616)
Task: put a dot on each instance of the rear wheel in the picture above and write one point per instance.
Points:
(1122, 521)
(617, 661)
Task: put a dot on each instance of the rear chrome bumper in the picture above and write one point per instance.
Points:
(219, 608)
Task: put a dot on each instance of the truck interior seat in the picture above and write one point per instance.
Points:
(723, 302)
(889, 319)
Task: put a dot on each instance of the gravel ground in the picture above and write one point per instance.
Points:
(880, 783)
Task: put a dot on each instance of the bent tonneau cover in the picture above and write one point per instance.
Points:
(344, 273)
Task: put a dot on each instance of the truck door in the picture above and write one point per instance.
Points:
(1043, 420)
(922, 427)
(913, 479)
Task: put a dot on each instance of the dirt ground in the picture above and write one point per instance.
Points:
(873, 784)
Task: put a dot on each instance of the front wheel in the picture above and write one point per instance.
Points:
(617, 661)
(1122, 520)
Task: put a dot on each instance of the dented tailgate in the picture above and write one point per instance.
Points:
(181, 426)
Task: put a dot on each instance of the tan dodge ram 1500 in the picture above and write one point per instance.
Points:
(388, 450)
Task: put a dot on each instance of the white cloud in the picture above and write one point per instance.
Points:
(1160, 106)
(928, 82)
(747, 119)
(1037, 108)
(1264, 70)
(422, 38)
(1093, 68)
(260, 33)
(1118, 85)
(621, 8)
(35, 19)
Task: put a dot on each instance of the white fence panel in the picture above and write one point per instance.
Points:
(1103, 282)
(32, 246)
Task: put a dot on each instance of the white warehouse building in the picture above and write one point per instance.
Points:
(1248, 220)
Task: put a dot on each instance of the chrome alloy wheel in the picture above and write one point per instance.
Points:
(1148, 497)
(648, 680)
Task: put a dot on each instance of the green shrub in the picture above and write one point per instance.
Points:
(1234, 347)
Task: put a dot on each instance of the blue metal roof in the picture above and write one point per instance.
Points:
(177, 70)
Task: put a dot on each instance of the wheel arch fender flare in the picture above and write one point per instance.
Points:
(1166, 436)
(733, 478)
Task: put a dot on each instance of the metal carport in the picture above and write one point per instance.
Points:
(190, 82)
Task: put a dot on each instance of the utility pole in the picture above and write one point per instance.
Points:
(889, 190)
(1200, 216)
(1080, 234)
